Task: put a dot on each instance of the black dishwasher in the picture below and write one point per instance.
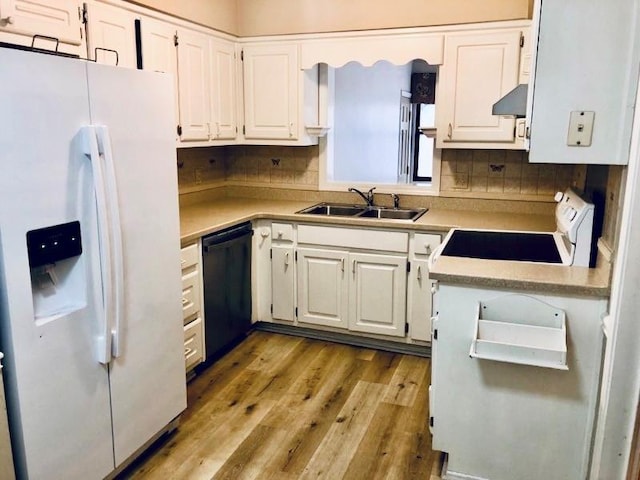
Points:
(226, 257)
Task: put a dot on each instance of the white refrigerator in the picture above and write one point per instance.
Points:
(90, 285)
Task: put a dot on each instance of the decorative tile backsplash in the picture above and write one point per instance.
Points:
(500, 174)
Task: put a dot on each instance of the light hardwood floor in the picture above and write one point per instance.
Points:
(282, 407)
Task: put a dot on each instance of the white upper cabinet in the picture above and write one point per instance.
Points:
(271, 78)
(223, 78)
(53, 18)
(111, 37)
(159, 52)
(587, 61)
(194, 85)
(478, 70)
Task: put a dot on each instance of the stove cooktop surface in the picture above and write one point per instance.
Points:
(492, 245)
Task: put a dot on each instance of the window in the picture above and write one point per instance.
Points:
(379, 137)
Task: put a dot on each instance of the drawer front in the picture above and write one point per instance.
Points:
(387, 241)
(425, 243)
(190, 294)
(193, 346)
(282, 232)
(189, 256)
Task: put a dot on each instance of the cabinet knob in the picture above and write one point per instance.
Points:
(450, 131)
(280, 233)
(8, 20)
(264, 233)
(427, 247)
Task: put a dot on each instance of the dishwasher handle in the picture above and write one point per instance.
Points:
(228, 235)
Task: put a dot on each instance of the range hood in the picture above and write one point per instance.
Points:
(513, 103)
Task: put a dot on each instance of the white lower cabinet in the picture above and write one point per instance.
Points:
(362, 280)
(283, 302)
(377, 287)
(192, 311)
(323, 296)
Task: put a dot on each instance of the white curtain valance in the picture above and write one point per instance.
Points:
(398, 49)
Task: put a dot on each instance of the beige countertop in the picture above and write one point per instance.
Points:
(199, 219)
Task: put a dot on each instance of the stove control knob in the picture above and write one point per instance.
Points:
(558, 197)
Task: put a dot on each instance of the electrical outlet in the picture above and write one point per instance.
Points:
(198, 175)
(580, 128)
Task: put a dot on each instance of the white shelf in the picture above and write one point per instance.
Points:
(520, 329)
(317, 130)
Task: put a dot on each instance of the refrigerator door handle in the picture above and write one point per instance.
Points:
(91, 149)
(115, 233)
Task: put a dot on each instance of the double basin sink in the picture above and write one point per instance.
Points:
(364, 211)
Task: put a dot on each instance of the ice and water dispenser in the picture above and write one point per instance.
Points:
(58, 279)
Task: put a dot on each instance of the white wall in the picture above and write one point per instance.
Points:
(366, 121)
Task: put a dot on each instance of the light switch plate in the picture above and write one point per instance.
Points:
(580, 128)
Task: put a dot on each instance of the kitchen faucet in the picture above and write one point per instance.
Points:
(368, 197)
(396, 200)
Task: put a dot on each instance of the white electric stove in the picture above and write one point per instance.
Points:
(570, 244)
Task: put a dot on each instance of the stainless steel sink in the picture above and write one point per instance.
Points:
(393, 213)
(361, 211)
(334, 209)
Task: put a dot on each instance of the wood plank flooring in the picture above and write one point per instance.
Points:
(282, 407)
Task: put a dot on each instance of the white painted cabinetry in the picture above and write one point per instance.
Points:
(159, 53)
(207, 87)
(547, 412)
(192, 311)
(270, 91)
(421, 288)
(323, 288)
(279, 97)
(479, 68)
(111, 37)
(194, 85)
(283, 301)
(377, 293)
(587, 61)
(20, 20)
(223, 85)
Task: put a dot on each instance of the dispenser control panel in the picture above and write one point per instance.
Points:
(52, 244)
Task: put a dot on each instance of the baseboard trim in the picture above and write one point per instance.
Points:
(364, 342)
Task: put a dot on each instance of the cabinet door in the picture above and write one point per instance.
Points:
(378, 293)
(478, 70)
(194, 85)
(420, 301)
(271, 79)
(112, 29)
(223, 89)
(282, 283)
(54, 18)
(159, 52)
(322, 287)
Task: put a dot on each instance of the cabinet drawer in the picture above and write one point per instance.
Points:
(425, 243)
(189, 256)
(193, 347)
(190, 294)
(354, 238)
(282, 232)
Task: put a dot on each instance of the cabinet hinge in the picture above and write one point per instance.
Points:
(244, 130)
(296, 312)
(514, 132)
(431, 422)
(271, 254)
(83, 15)
(242, 55)
(521, 41)
(179, 130)
(175, 40)
(408, 267)
(272, 309)
(406, 328)
(435, 334)
(295, 255)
